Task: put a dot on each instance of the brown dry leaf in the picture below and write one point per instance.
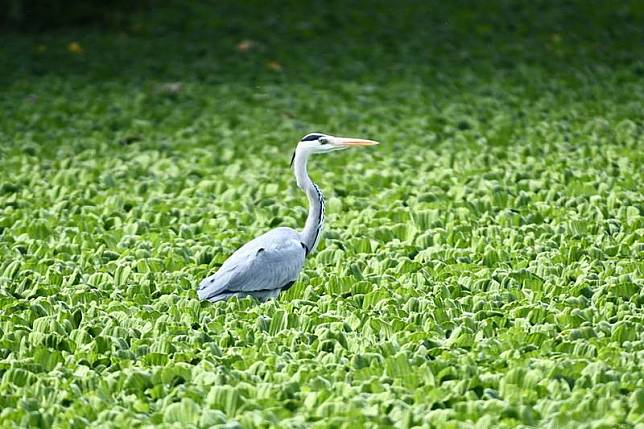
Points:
(275, 66)
(171, 87)
(245, 45)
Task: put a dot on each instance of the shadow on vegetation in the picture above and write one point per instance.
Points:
(254, 41)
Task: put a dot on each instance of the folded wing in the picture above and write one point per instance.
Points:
(262, 267)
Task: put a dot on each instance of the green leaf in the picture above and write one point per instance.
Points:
(186, 412)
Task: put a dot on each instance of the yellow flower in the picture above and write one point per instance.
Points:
(74, 48)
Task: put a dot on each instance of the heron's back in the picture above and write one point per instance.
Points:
(261, 267)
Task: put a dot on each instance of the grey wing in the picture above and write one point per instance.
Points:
(261, 267)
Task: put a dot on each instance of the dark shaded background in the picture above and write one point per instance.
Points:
(320, 39)
(39, 16)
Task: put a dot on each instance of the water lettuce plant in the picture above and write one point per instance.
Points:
(482, 268)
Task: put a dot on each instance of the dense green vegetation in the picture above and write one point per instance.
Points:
(482, 267)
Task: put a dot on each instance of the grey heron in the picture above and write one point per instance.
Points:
(271, 263)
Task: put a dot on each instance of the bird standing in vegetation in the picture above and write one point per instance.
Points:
(271, 263)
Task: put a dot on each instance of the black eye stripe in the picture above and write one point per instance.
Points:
(311, 137)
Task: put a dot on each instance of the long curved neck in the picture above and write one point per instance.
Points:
(315, 221)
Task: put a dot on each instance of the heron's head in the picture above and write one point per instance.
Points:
(321, 143)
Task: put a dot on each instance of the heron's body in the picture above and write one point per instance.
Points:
(271, 263)
(262, 267)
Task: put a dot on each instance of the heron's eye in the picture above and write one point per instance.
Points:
(323, 140)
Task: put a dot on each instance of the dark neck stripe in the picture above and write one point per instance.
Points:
(320, 214)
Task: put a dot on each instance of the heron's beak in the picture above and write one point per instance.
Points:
(345, 142)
